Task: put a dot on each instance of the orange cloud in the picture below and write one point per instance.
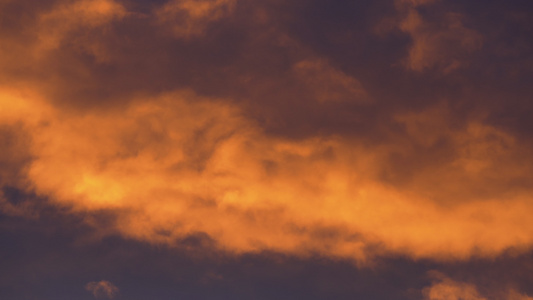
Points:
(56, 24)
(179, 164)
(190, 18)
(168, 165)
(31, 41)
(446, 289)
(451, 290)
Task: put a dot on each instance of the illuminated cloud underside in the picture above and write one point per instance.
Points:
(171, 164)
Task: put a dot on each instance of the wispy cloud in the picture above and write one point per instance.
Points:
(445, 288)
(102, 289)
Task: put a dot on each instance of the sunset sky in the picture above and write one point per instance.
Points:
(266, 149)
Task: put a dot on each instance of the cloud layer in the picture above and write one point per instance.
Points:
(447, 289)
(246, 124)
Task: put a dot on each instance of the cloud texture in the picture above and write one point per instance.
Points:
(447, 289)
(245, 123)
(102, 289)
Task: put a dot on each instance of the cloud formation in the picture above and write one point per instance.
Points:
(446, 289)
(239, 126)
(191, 18)
(59, 22)
(328, 84)
(180, 164)
(102, 289)
(443, 43)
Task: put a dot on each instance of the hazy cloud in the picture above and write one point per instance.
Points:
(328, 84)
(190, 18)
(102, 289)
(442, 43)
(73, 20)
(447, 289)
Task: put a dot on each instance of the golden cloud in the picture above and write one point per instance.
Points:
(178, 164)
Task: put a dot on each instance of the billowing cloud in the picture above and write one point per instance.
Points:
(240, 127)
(179, 164)
(394, 134)
(102, 289)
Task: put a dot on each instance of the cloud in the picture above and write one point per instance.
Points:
(328, 84)
(179, 164)
(102, 289)
(446, 289)
(514, 295)
(284, 131)
(444, 44)
(190, 18)
(258, 138)
(56, 25)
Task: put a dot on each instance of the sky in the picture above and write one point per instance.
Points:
(266, 149)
